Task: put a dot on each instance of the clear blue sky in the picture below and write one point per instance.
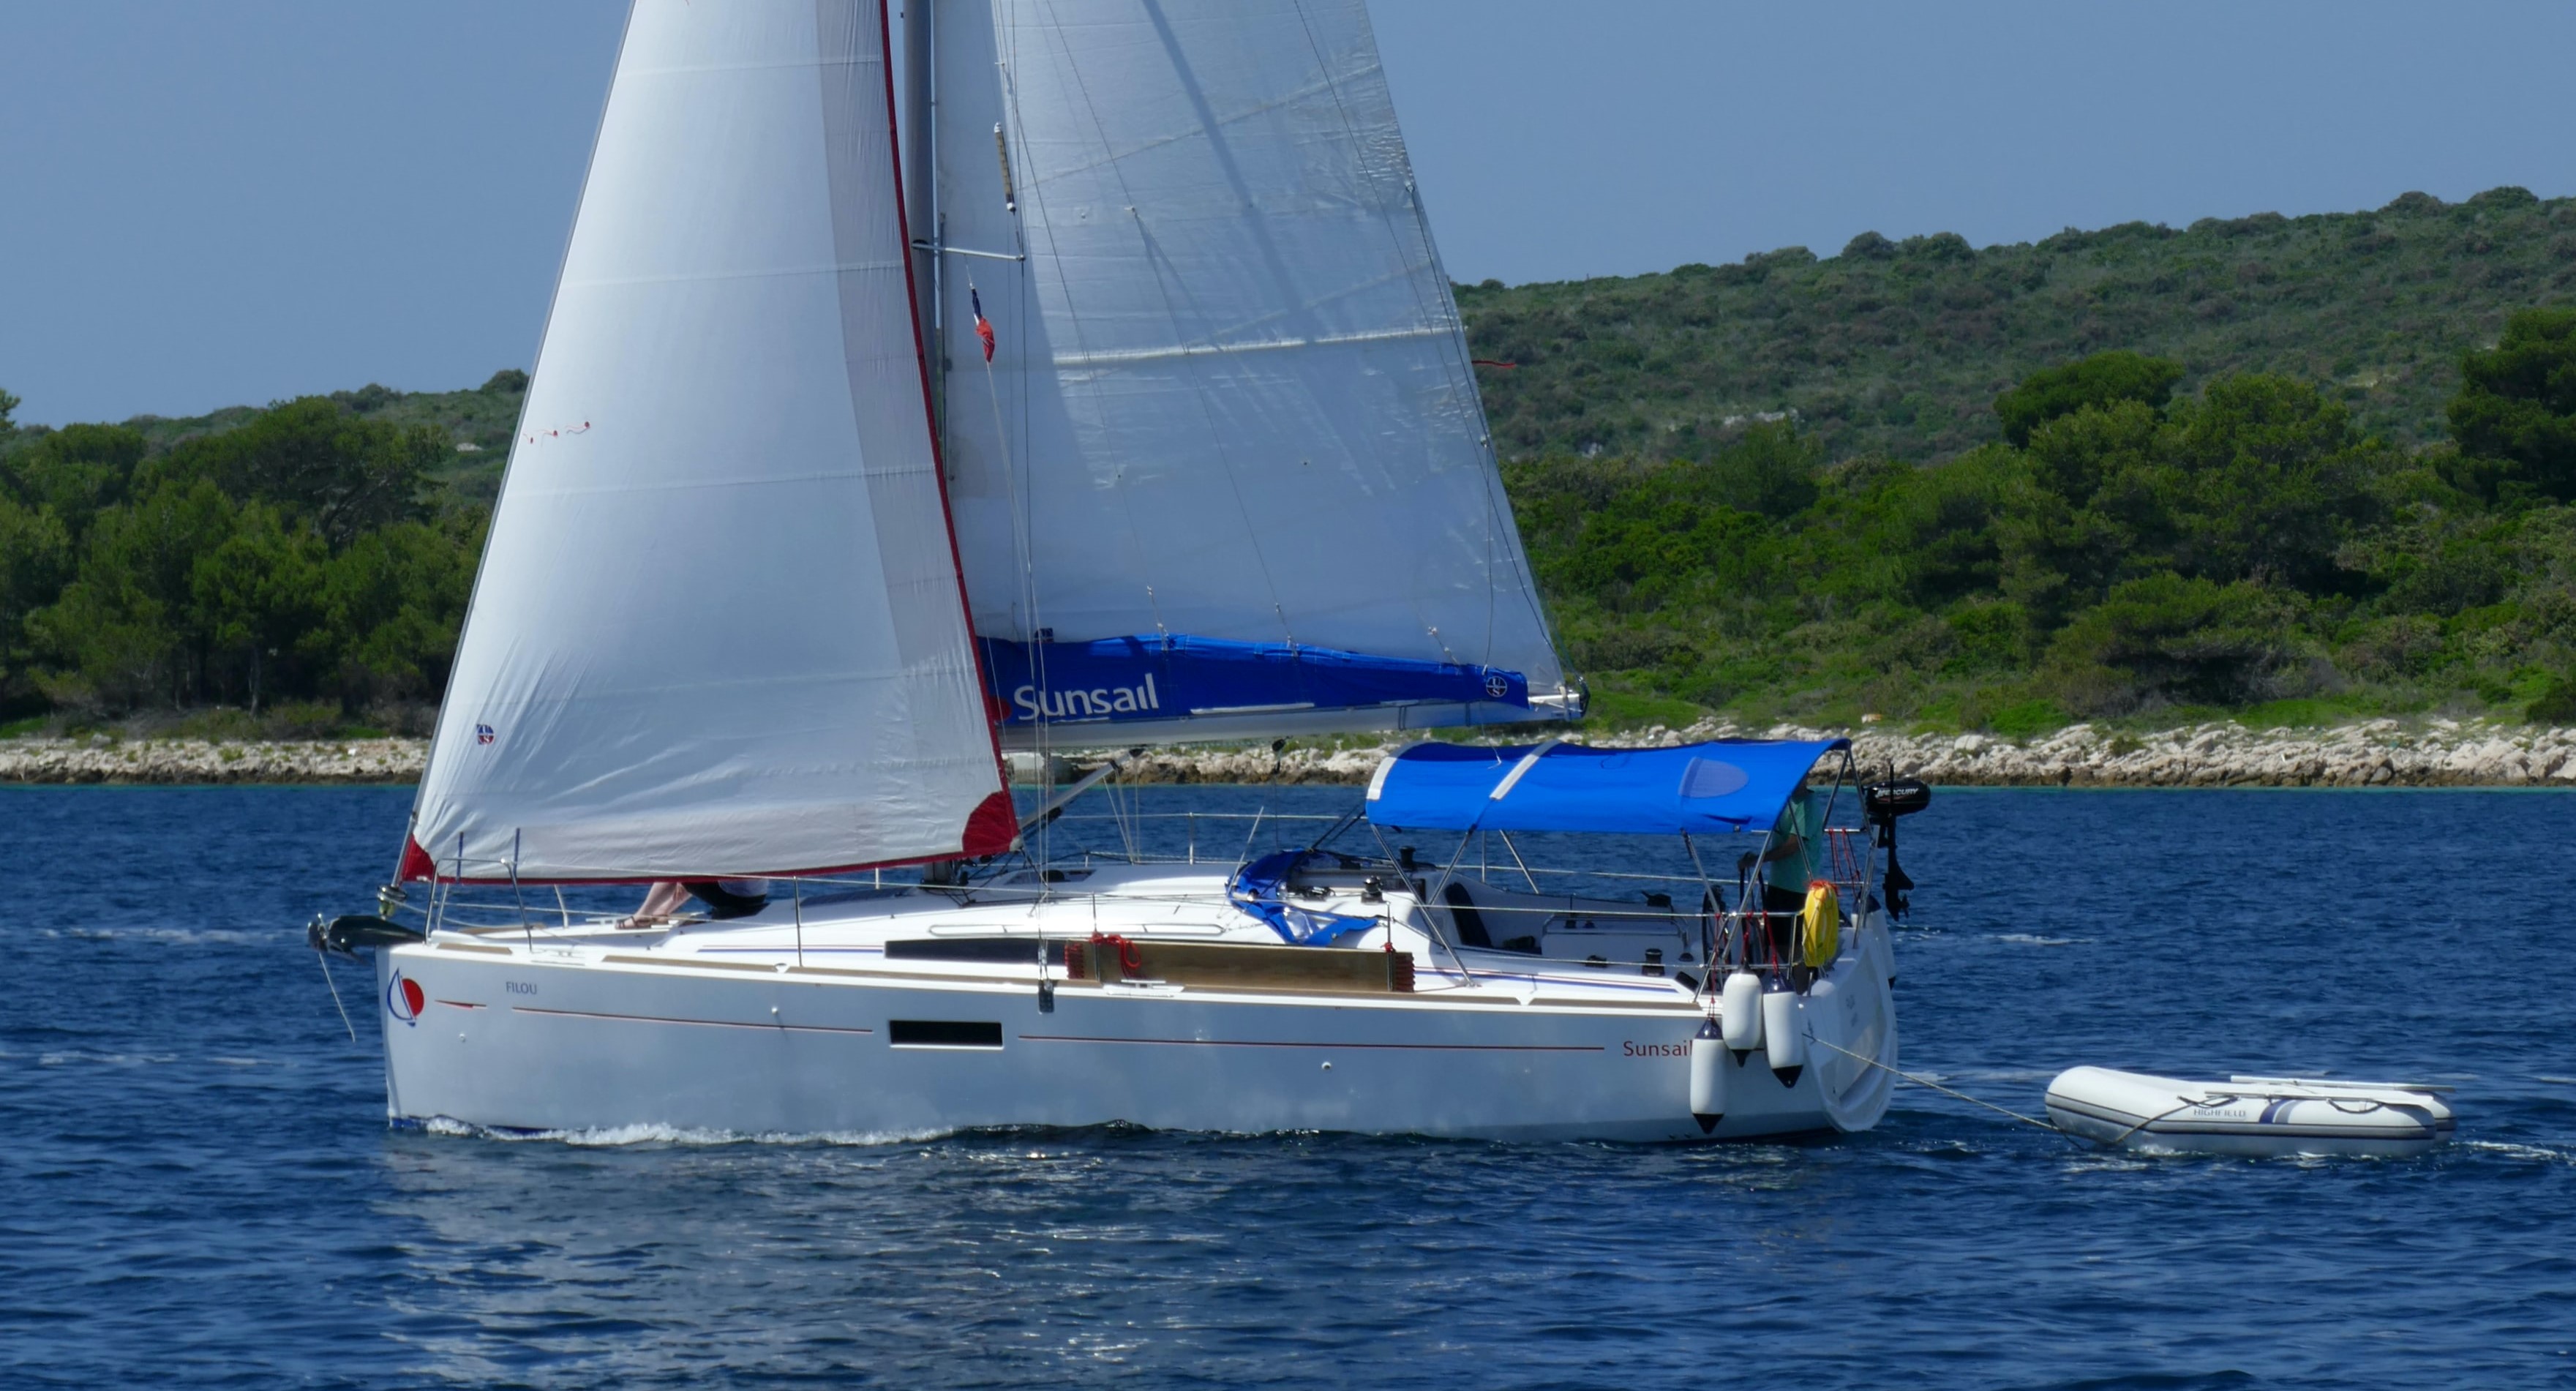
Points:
(209, 202)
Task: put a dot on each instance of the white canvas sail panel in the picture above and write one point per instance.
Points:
(1230, 398)
(719, 628)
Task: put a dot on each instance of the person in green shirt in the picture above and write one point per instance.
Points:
(1787, 863)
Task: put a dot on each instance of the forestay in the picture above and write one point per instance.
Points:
(719, 627)
(1230, 398)
(1694, 789)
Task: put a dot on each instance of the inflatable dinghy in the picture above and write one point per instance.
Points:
(2248, 1115)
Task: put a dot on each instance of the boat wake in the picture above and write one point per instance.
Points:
(74, 1056)
(2514, 1151)
(655, 1134)
(182, 936)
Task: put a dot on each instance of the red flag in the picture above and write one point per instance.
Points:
(983, 326)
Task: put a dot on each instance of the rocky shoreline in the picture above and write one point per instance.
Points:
(2375, 753)
(100, 759)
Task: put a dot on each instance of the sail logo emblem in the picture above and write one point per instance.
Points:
(1100, 702)
(1496, 686)
(483, 734)
(404, 999)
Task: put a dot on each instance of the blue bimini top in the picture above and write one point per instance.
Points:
(1697, 789)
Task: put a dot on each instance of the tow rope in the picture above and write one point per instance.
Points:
(1929, 1084)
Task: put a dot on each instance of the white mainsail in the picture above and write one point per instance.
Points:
(1230, 397)
(719, 628)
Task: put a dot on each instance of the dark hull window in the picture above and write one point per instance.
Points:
(943, 1033)
(1023, 950)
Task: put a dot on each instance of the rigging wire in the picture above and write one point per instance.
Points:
(1073, 315)
(1199, 389)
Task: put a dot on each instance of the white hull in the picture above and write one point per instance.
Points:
(721, 1029)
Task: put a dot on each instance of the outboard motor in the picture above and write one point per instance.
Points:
(1881, 803)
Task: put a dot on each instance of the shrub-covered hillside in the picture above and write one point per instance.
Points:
(2124, 551)
(2301, 466)
(1898, 348)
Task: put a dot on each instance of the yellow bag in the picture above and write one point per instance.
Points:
(1820, 925)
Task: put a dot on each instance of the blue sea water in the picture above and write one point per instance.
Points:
(197, 1185)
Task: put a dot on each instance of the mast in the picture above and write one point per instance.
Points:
(921, 179)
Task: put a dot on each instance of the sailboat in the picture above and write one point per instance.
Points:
(1096, 387)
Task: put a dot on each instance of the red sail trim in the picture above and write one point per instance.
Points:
(415, 863)
(930, 411)
(994, 827)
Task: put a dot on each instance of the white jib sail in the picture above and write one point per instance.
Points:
(1231, 395)
(719, 627)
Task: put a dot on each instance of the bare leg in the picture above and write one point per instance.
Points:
(665, 901)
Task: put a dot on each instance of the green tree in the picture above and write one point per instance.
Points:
(75, 471)
(129, 623)
(2167, 638)
(1770, 471)
(345, 474)
(35, 561)
(2094, 508)
(393, 604)
(2435, 563)
(1923, 536)
(2517, 401)
(259, 597)
(2267, 478)
(2098, 380)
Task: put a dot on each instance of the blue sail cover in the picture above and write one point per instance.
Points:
(1140, 679)
(1259, 888)
(1695, 789)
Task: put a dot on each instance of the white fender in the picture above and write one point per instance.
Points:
(1739, 1013)
(1708, 1077)
(1782, 1036)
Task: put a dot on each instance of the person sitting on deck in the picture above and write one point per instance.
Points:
(725, 898)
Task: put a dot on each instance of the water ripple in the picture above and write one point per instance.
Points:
(198, 1186)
